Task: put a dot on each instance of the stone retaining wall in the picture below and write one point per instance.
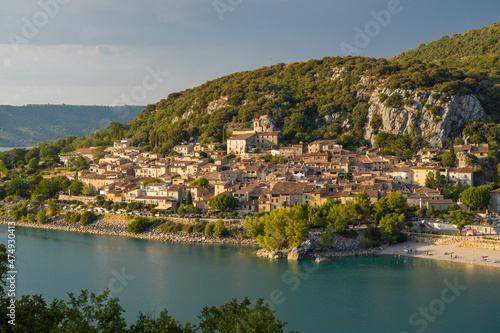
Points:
(462, 241)
(82, 198)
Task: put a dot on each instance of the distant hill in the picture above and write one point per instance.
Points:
(477, 49)
(23, 126)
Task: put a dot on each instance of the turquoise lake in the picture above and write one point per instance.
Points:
(368, 294)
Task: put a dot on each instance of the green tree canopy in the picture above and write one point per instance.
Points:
(223, 202)
(393, 204)
(201, 182)
(392, 227)
(460, 218)
(476, 197)
(41, 216)
(448, 160)
(436, 180)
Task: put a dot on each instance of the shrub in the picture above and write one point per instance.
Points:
(373, 233)
(408, 102)
(376, 122)
(67, 216)
(219, 229)
(236, 232)
(41, 216)
(326, 240)
(18, 211)
(170, 227)
(87, 218)
(197, 227)
(138, 225)
(368, 243)
(435, 110)
(31, 218)
(75, 217)
(382, 97)
(444, 100)
(209, 229)
(187, 228)
(393, 101)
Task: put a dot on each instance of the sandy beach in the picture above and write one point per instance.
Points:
(452, 252)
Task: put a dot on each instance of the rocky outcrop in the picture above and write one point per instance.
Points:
(188, 113)
(335, 116)
(426, 113)
(266, 124)
(218, 104)
(311, 249)
(303, 251)
(339, 73)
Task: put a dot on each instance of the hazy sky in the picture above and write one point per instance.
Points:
(111, 52)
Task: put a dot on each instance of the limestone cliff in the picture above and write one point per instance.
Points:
(420, 112)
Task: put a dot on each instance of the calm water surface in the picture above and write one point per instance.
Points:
(372, 294)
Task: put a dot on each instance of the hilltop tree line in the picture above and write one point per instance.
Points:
(476, 49)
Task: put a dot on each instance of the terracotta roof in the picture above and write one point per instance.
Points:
(241, 137)
(291, 188)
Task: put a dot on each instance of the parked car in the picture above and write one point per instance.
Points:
(471, 232)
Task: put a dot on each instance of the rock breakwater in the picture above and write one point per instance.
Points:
(101, 227)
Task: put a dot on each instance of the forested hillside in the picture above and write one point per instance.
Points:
(477, 49)
(331, 98)
(31, 124)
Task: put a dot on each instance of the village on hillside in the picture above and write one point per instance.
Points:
(263, 177)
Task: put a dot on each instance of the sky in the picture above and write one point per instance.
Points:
(126, 52)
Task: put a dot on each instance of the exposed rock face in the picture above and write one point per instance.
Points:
(335, 116)
(218, 104)
(339, 73)
(266, 124)
(417, 119)
(343, 244)
(302, 252)
(186, 114)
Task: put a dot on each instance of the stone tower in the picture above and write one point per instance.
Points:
(462, 159)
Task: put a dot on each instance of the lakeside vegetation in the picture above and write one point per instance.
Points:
(290, 227)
